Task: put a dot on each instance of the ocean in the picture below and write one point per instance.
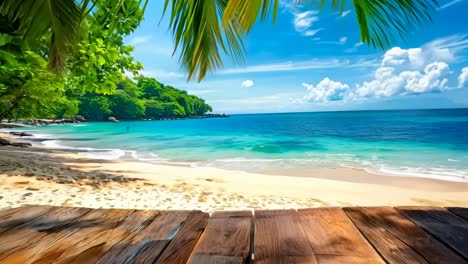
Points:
(420, 143)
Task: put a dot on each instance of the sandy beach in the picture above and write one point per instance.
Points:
(38, 175)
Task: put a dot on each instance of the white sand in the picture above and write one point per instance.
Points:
(40, 176)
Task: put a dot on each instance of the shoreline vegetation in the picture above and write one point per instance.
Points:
(38, 175)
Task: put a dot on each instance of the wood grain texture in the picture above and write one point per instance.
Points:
(460, 211)
(13, 241)
(180, 248)
(226, 238)
(414, 236)
(48, 234)
(124, 249)
(85, 238)
(385, 242)
(155, 238)
(447, 227)
(334, 238)
(15, 217)
(280, 238)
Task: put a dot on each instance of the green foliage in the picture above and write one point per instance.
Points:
(27, 88)
(95, 107)
(97, 64)
(147, 98)
(56, 22)
(102, 59)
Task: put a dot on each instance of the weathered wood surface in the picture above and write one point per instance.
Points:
(460, 211)
(226, 239)
(398, 239)
(280, 238)
(442, 224)
(334, 239)
(182, 245)
(47, 234)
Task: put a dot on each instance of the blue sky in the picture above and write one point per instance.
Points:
(311, 61)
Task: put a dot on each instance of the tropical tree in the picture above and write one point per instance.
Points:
(202, 29)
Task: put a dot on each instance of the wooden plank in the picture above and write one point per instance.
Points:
(390, 247)
(98, 221)
(179, 249)
(460, 211)
(280, 238)
(54, 244)
(14, 217)
(334, 238)
(145, 245)
(88, 238)
(431, 249)
(226, 239)
(447, 227)
(31, 232)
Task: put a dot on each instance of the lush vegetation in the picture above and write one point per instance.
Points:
(59, 58)
(93, 82)
(147, 98)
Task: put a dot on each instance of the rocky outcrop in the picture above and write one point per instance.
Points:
(21, 134)
(11, 125)
(76, 119)
(188, 117)
(5, 142)
(112, 119)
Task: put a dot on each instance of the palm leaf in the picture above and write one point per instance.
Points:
(196, 27)
(198, 31)
(60, 19)
(382, 21)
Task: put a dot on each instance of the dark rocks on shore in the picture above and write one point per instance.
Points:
(112, 119)
(76, 119)
(5, 142)
(189, 117)
(11, 125)
(21, 134)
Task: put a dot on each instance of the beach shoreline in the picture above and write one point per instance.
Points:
(39, 175)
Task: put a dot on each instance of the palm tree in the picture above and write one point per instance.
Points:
(202, 29)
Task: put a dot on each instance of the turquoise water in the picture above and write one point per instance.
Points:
(425, 143)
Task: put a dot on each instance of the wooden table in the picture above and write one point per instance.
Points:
(47, 234)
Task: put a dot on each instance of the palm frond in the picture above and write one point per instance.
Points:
(198, 32)
(59, 19)
(383, 21)
(247, 12)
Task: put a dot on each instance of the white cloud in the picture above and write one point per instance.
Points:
(463, 78)
(409, 71)
(139, 40)
(401, 72)
(303, 22)
(358, 44)
(302, 65)
(391, 81)
(162, 74)
(343, 40)
(355, 47)
(247, 83)
(451, 3)
(311, 32)
(200, 92)
(325, 91)
(345, 13)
